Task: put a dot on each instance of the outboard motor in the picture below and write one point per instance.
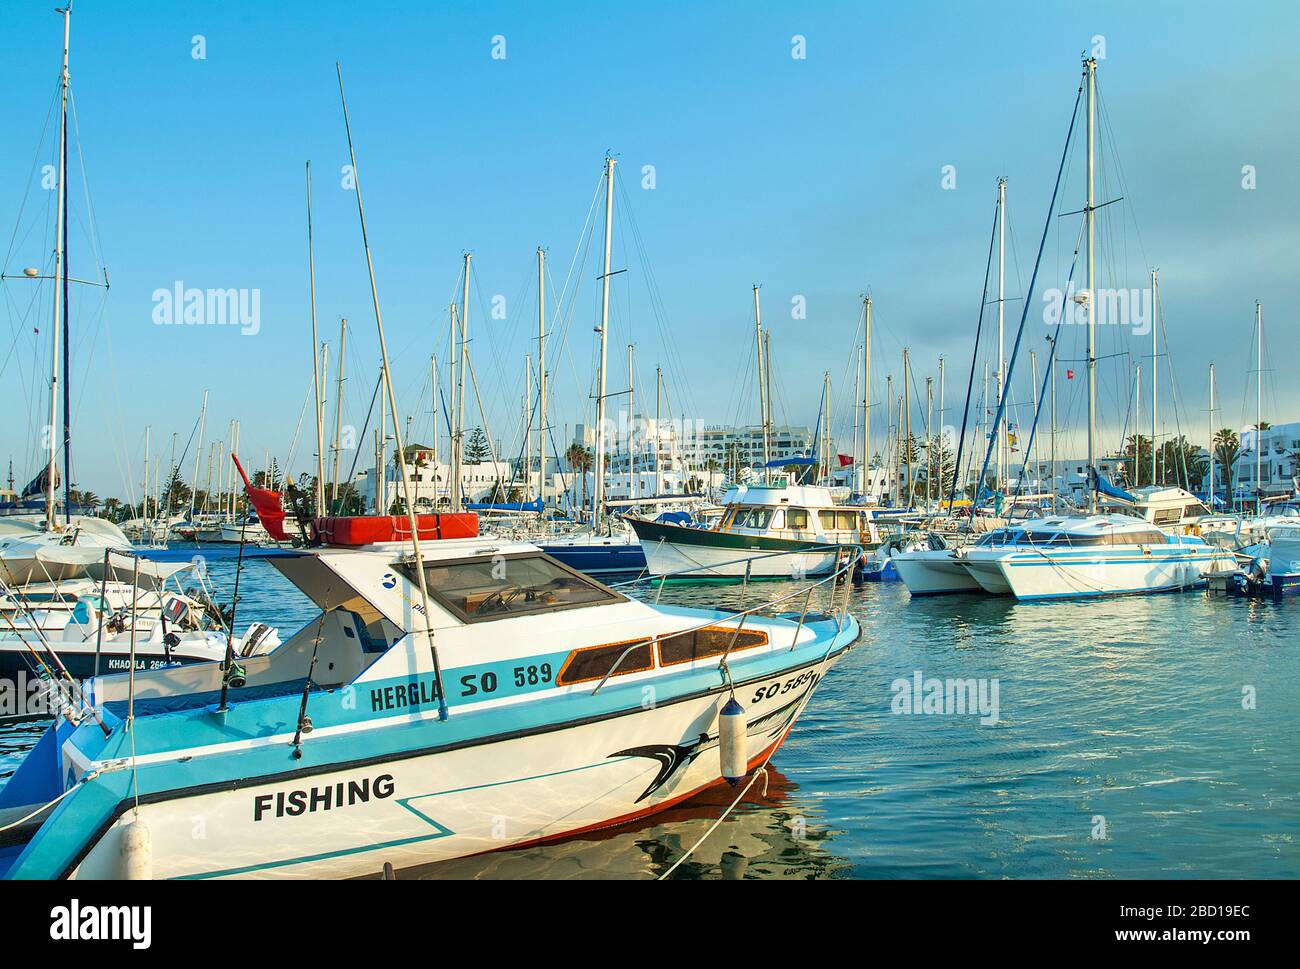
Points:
(259, 640)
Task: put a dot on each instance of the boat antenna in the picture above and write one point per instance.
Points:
(421, 578)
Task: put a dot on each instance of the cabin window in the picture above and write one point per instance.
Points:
(710, 641)
(753, 518)
(797, 517)
(1139, 538)
(1165, 516)
(492, 587)
(594, 662)
(842, 520)
(778, 518)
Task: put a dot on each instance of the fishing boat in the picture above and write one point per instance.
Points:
(84, 643)
(801, 522)
(117, 610)
(495, 699)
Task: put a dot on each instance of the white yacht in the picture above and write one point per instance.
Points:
(1089, 555)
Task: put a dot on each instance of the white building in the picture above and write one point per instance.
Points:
(1279, 464)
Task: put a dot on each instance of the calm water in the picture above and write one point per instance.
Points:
(1126, 713)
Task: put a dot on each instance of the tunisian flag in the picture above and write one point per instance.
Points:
(267, 504)
(845, 460)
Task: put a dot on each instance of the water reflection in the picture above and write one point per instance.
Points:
(768, 836)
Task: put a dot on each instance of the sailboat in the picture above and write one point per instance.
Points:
(605, 546)
(1078, 555)
(59, 526)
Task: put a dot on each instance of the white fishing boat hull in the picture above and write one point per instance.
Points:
(502, 795)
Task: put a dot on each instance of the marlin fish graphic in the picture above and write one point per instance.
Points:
(676, 757)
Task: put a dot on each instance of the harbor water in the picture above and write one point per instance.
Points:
(1131, 737)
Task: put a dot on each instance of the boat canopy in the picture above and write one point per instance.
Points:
(1102, 485)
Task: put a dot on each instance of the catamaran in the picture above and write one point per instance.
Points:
(1088, 554)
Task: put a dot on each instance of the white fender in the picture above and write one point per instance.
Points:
(137, 852)
(733, 742)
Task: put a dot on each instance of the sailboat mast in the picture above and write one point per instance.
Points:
(433, 385)
(60, 297)
(338, 418)
(315, 362)
(453, 457)
(659, 386)
(1259, 400)
(857, 388)
(462, 323)
(1137, 429)
(826, 427)
(940, 489)
(144, 502)
(633, 487)
(929, 438)
(598, 492)
(1155, 370)
(767, 384)
(866, 398)
(907, 429)
(1090, 69)
(1211, 439)
(1051, 365)
(541, 377)
(762, 386)
(1002, 363)
(198, 453)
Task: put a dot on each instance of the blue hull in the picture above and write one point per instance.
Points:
(1273, 587)
(886, 573)
(605, 559)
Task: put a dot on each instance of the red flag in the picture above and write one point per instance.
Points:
(1069, 375)
(845, 460)
(267, 504)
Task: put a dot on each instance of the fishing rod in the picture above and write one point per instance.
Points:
(232, 672)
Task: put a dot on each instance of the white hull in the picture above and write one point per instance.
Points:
(934, 572)
(1051, 573)
(504, 794)
(703, 561)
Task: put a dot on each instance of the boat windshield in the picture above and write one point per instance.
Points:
(752, 517)
(480, 589)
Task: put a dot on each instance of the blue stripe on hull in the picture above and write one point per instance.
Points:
(598, 558)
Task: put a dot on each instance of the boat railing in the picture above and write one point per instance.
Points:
(838, 606)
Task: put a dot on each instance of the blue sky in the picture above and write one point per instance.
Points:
(817, 177)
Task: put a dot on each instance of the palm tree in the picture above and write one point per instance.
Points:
(580, 462)
(1227, 448)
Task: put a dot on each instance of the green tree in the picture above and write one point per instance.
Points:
(477, 449)
(1227, 448)
(1137, 461)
